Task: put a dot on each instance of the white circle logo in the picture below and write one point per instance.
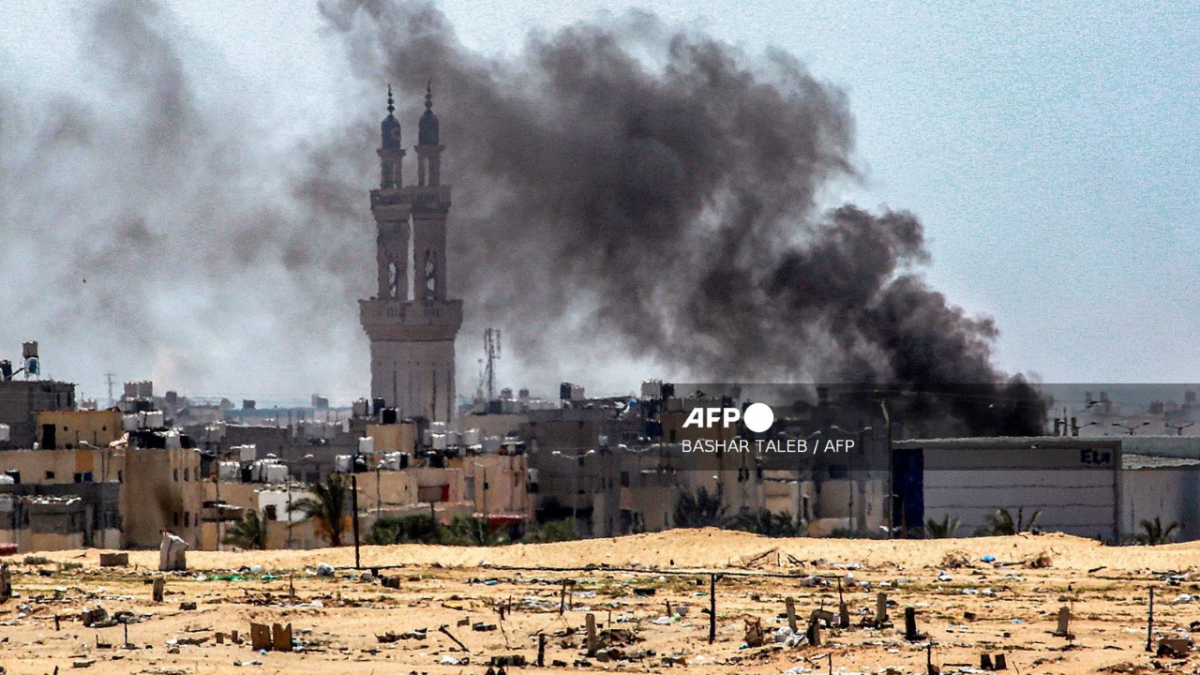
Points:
(758, 417)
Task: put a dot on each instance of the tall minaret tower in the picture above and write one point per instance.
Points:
(412, 326)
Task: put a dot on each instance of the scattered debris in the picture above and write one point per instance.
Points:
(955, 559)
(114, 559)
(1176, 648)
(754, 632)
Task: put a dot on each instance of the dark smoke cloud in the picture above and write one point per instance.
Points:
(154, 232)
(662, 189)
(623, 191)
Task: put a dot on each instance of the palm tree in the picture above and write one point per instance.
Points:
(327, 507)
(419, 529)
(943, 530)
(249, 533)
(699, 509)
(1002, 523)
(555, 530)
(1154, 533)
(471, 531)
(767, 523)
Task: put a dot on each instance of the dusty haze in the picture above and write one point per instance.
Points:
(625, 192)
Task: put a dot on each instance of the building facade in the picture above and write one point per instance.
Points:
(22, 400)
(411, 322)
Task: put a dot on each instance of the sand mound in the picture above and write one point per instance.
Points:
(709, 549)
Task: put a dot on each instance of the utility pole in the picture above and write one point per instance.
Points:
(354, 505)
(108, 378)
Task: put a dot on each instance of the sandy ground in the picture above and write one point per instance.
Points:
(966, 607)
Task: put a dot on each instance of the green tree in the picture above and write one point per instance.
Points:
(418, 529)
(943, 530)
(554, 530)
(767, 523)
(327, 507)
(249, 533)
(699, 509)
(471, 531)
(1153, 533)
(1002, 523)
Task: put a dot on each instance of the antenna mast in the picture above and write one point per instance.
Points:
(491, 347)
(108, 377)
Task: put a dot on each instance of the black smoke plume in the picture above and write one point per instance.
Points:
(624, 192)
(661, 189)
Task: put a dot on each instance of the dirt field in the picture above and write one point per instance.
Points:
(966, 607)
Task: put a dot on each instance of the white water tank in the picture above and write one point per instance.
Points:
(491, 445)
(472, 437)
(5, 432)
(361, 407)
(276, 473)
(439, 441)
(366, 445)
(343, 463)
(215, 432)
(228, 471)
(247, 453)
(155, 419)
(652, 389)
(437, 427)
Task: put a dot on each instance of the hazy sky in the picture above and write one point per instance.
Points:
(1051, 148)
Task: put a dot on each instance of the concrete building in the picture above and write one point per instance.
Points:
(151, 488)
(412, 330)
(66, 429)
(1075, 482)
(53, 517)
(225, 503)
(499, 486)
(22, 400)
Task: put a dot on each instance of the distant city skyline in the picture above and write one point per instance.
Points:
(1050, 152)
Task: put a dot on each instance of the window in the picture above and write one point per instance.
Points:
(185, 475)
(187, 519)
(49, 475)
(175, 518)
(175, 475)
(430, 275)
(120, 476)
